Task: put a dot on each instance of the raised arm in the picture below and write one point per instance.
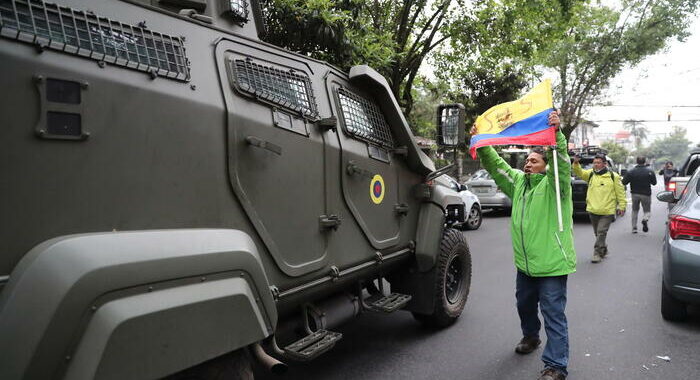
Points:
(578, 171)
(500, 171)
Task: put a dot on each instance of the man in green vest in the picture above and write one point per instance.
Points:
(604, 199)
(543, 255)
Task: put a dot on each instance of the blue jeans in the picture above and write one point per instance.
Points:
(550, 294)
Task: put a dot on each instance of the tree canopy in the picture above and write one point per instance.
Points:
(583, 43)
(394, 37)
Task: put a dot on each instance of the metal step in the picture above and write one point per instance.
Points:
(313, 345)
(390, 303)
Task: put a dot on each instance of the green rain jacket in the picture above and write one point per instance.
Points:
(540, 250)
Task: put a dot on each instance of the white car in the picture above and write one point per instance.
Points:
(472, 206)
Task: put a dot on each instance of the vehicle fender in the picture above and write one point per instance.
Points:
(140, 304)
(444, 196)
(431, 221)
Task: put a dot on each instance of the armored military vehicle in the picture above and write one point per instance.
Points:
(175, 191)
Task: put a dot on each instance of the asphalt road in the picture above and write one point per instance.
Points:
(615, 327)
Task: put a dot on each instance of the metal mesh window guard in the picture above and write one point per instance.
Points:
(85, 34)
(363, 119)
(285, 88)
(239, 9)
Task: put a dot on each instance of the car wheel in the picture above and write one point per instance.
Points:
(453, 274)
(671, 308)
(474, 218)
(234, 366)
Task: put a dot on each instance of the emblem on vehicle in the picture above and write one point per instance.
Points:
(376, 189)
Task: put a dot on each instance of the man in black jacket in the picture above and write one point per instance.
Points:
(640, 179)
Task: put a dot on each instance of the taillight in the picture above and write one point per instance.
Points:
(671, 186)
(680, 227)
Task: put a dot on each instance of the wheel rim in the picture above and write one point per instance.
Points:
(454, 280)
(473, 217)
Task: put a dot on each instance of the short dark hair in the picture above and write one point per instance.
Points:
(669, 162)
(600, 156)
(641, 160)
(539, 150)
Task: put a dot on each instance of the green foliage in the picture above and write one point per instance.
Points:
(394, 37)
(673, 147)
(617, 152)
(584, 42)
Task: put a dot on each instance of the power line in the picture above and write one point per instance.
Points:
(647, 105)
(645, 121)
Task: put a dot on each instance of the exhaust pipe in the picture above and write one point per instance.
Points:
(271, 364)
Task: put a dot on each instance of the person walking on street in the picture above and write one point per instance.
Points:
(543, 256)
(668, 172)
(641, 178)
(604, 199)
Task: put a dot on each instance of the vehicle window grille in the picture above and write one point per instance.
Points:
(85, 34)
(288, 89)
(363, 119)
(239, 9)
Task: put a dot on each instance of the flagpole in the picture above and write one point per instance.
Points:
(558, 190)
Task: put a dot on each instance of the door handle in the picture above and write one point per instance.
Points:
(260, 143)
(354, 169)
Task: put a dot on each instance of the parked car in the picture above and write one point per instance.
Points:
(490, 196)
(681, 252)
(579, 187)
(471, 205)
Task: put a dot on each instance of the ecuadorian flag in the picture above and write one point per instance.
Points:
(523, 121)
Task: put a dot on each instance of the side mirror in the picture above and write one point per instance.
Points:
(450, 125)
(666, 196)
(462, 188)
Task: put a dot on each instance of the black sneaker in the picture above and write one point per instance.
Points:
(527, 344)
(645, 227)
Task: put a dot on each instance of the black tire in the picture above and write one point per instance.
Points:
(671, 308)
(453, 274)
(474, 219)
(232, 366)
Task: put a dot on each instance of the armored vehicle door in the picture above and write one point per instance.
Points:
(275, 159)
(369, 171)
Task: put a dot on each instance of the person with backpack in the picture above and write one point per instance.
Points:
(641, 178)
(605, 198)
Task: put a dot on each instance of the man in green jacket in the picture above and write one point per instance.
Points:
(605, 197)
(543, 255)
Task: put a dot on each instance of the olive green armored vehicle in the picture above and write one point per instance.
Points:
(176, 195)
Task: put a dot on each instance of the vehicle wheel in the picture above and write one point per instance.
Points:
(452, 281)
(671, 308)
(234, 366)
(474, 218)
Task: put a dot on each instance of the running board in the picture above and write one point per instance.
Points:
(312, 345)
(390, 303)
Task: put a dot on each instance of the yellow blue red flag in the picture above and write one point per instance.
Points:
(523, 121)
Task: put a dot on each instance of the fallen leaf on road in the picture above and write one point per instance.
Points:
(664, 358)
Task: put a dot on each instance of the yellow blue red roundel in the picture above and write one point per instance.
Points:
(376, 189)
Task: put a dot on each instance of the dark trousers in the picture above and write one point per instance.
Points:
(601, 224)
(550, 294)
